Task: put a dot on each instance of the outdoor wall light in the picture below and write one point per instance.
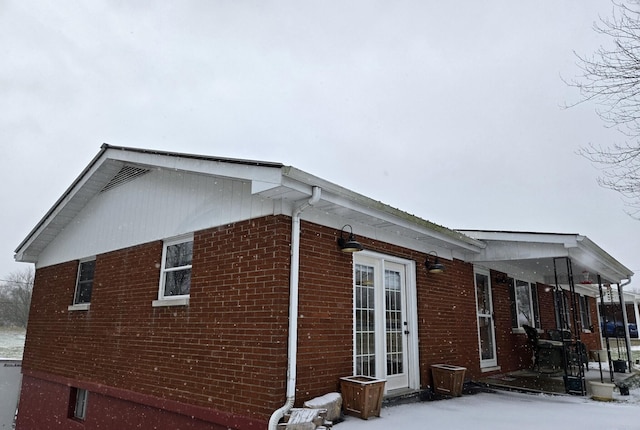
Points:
(350, 244)
(436, 266)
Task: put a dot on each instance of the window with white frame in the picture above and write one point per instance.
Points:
(84, 282)
(563, 310)
(524, 297)
(585, 315)
(78, 403)
(175, 279)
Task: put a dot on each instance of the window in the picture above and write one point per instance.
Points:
(563, 314)
(84, 282)
(585, 315)
(78, 403)
(175, 280)
(524, 297)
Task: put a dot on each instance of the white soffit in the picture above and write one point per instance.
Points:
(534, 253)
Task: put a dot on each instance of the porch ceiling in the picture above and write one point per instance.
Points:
(531, 256)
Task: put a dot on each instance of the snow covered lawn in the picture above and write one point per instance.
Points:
(507, 411)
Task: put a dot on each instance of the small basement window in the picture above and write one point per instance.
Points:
(78, 403)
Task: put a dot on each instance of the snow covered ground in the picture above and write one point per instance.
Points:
(507, 411)
(11, 343)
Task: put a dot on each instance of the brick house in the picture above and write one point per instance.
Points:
(192, 292)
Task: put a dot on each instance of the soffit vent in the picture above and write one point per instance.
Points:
(126, 174)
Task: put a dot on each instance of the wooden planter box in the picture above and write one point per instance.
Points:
(448, 379)
(362, 395)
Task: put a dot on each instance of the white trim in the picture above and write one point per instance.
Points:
(177, 301)
(78, 273)
(79, 307)
(167, 243)
(80, 407)
(411, 311)
(413, 353)
(485, 363)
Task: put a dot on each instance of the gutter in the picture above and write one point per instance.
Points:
(292, 351)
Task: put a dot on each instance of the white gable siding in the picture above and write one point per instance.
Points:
(155, 206)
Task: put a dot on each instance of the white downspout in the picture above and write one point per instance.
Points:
(293, 309)
(636, 311)
(625, 321)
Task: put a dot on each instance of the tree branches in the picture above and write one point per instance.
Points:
(611, 78)
(15, 298)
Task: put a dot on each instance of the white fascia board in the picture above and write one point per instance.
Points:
(591, 251)
(508, 251)
(265, 176)
(78, 184)
(567, 240)
(303, 182)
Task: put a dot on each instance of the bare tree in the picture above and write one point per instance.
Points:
(15, 298)
(611, 78)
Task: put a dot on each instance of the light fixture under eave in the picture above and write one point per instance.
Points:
(436, 266)
(350, 244)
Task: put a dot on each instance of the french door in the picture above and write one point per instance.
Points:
(383, 335)
(486, 327)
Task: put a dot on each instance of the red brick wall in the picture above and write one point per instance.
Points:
(513, 350)
(448, 328)
(592, 340)
(226, 350)
(44, 405)
(446, 312)
(325, 324)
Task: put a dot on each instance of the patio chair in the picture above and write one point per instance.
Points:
(578, 355)
(532, 335)
(559, 335)
(555, 334)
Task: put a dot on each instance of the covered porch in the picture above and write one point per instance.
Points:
(532, 381)
(573, 274)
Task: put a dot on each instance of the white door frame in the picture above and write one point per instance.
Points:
(378, 260)
(489, 315)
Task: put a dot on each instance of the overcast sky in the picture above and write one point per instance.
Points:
(452, 111)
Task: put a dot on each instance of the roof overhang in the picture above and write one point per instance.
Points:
(532, 255)
(268, 180)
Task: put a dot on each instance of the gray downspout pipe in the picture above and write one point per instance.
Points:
(292, 351)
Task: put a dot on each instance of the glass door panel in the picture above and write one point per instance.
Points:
(380, 323)
(395, 327)
(365, 319)
(486, 329)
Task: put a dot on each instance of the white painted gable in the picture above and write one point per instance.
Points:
(157, 205)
